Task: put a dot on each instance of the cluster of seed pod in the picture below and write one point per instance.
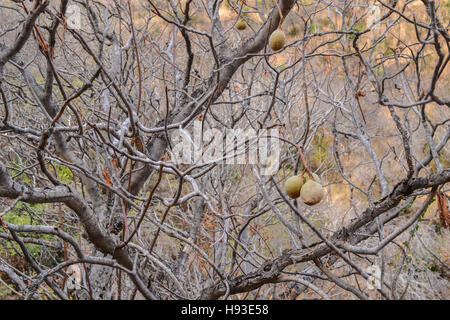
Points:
(277, 39)
(308, 188)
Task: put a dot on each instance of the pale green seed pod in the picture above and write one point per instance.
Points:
(293, 186)
(277, 40)
(241, 25)
(311, 192)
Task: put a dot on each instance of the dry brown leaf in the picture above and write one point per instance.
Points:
(107, 177)
(138, 143)
(115, 163)
(444, 213)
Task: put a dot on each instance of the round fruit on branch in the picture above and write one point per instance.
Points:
(241, 25)
(293, 186)
(311, 192)
(277, 40)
